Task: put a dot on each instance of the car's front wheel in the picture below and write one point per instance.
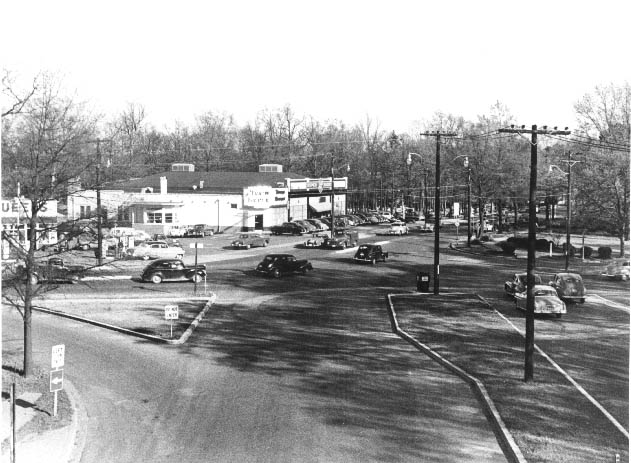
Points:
(197, 278)
(276, 273)
(373, 261)
(156, 279)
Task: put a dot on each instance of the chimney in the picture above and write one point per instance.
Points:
(163, 185)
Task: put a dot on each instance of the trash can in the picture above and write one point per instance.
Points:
(422, 282)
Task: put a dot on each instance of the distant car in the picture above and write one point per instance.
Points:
(320, 226)
(309, 227)
(276, 265)
(398, 228)
(54, 270)
(177, 231)
(155, 250)
(517, 284)
(348, 239)
(569, 287)
(172, 270)
(249, 240)
(287, 228)
(617, 270)
(199, 231)
(546, 301)
(370, 253)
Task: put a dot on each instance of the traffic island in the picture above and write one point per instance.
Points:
(535, 421)
(169, 320)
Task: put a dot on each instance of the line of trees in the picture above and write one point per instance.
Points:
(49, 145)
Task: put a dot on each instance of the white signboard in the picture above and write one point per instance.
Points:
(57, 357)
(171, 312)
(195, 245)
(262, 197)
(21, 207)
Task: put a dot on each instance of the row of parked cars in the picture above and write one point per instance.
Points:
(550, 298)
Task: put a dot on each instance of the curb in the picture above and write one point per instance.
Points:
(182, 339)
(78, 426)
(502, 434)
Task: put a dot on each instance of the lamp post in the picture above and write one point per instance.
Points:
(568, 221)
(468, 167)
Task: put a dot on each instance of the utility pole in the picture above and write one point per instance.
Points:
(468, 203)
(532, 237)
(568, 222)
(99, 220)
(438, 135)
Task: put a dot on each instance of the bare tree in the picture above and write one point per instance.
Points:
(14, 100)
(47, 147)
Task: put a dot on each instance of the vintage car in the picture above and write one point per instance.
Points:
(569, 287)
(199, 231)
(517, 284)
(54, 270)
(172, 270)
(617, 270)
(249, 240)
(398, 228)
(155, 250)
(370, 253)
(348, 239)
(287, 228)
(546, 301)
(281, 264)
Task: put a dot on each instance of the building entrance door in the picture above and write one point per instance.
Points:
(258, 222)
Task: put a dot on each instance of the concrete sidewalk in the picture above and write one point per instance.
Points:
(63, 445)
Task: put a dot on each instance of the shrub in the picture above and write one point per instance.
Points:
(586, 251)
(542, 244)
(507, 248)
(604, 252)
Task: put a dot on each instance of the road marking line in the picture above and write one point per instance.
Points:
(568, 377)
(609, 303)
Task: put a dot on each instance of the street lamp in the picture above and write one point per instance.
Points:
(468, 167)
(568, 220)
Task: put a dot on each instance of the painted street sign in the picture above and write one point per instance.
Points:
(56, 380)
(171, 312)
(57, 357)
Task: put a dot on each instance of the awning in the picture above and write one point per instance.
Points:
(320, 207)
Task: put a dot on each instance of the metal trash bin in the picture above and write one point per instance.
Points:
(422, 282)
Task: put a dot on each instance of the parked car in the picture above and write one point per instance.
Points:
(172, 270)
(370, 253)
(248, 240)
(54, 270)
(348, 239)
(569, 287)
(617, 270)
(320, 226)
(177, 231)
(309, 227)
(281, 264)
(546, 301)
(173, 242)
(287, 228)
(155, 250)
(199, 231)
(517, 284)
(398, 228)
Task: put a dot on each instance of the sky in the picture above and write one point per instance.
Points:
(396, 62)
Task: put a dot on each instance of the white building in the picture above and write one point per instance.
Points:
(223, 200)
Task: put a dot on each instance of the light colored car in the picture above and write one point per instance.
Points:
(249, 240)
(546, 301)
(398, 228)
(155, 250)
(617, 270)
(517, 284)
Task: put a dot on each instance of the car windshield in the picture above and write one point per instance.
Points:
(269, 259)
(545, 292)
(364, 247)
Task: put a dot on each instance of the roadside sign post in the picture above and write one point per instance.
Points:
(57, 373)
(171, 312)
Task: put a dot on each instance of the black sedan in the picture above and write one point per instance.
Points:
(290, 228)
(172, 270)
(281, 264)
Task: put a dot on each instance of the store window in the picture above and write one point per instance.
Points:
(154, 217)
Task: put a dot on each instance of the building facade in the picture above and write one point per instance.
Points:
(237, 201)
